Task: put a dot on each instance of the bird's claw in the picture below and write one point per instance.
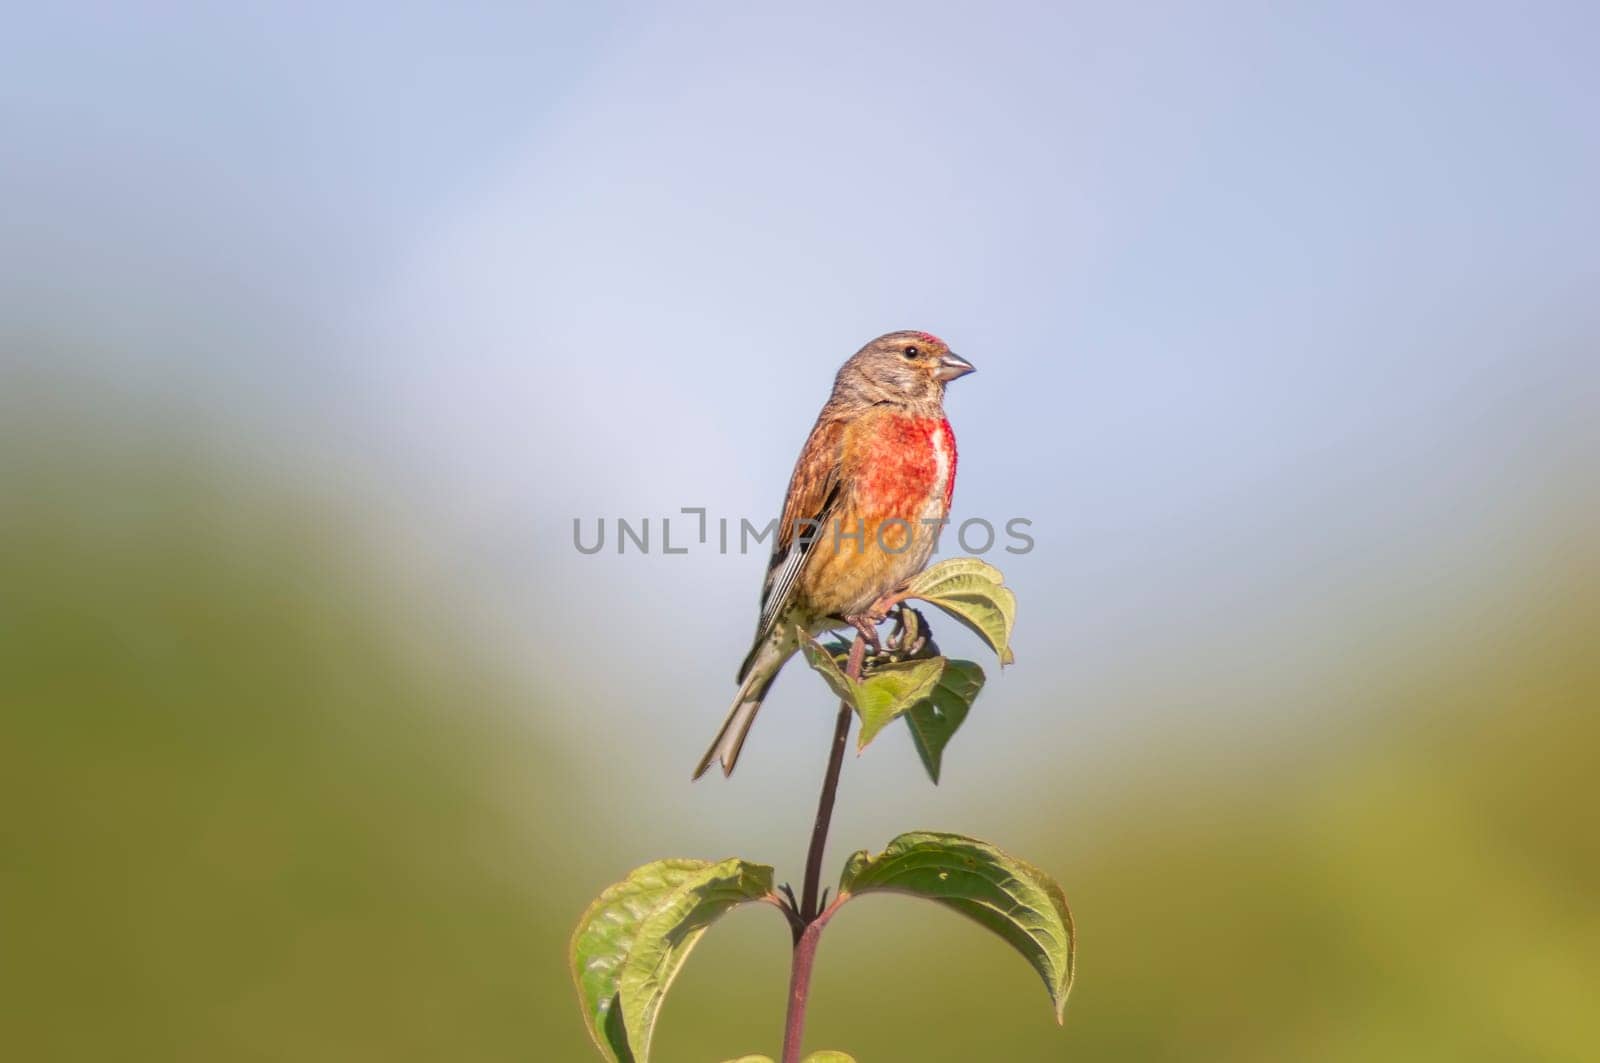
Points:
(869, 631)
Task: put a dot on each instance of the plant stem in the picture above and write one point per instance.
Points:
(830, 790)
(805, 956)
(808, 931)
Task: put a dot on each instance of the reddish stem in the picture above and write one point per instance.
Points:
(805, 957)
(808, 930)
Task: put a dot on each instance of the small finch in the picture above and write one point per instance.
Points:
(869, 493)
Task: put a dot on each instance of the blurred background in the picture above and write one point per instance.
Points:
(320, 324)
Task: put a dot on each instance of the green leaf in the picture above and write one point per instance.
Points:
(601, 943)
(666, 936)
(974, 593)
(822, 662)
(888, 691)
(935, 719)
(1009, 896)
(892, 689)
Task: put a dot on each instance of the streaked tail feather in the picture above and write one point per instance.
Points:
(758, 673)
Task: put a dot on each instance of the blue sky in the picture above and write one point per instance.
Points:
(1284, 320)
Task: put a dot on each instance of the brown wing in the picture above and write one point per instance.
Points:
(807, 509)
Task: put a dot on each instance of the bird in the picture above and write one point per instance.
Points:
(867, 499)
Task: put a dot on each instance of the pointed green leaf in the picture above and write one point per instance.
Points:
(601, 942)
(1009, 896)
(671, 930)
(890, 690)
(972, 591)
(958, 566)
(823, 663)
(935, 719)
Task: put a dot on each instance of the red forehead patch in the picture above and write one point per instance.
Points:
(928, 337)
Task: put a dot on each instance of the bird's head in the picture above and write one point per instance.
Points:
(904, 368)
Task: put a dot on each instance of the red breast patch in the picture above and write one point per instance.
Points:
(911, 460)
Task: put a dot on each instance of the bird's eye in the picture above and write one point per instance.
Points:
(912, 352)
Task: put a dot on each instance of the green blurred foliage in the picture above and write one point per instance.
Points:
(258, 801)
(242, 820)
(1424, 889)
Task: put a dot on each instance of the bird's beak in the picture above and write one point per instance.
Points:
(952, 365)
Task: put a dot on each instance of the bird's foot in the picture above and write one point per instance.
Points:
(884, 606)
(867, 624)
(911, 638)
